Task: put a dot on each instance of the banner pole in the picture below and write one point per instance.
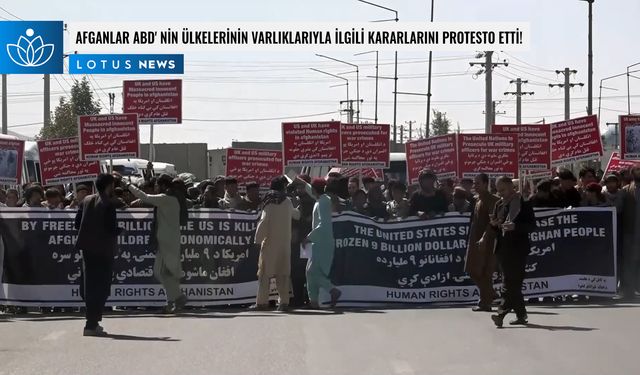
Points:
(151, 153)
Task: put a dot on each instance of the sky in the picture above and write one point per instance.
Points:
(241, 95)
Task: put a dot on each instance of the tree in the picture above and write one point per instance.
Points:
(64, 121)
(440, 124)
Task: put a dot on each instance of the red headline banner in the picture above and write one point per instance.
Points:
(493, 154)
(259, 166)
(154, 101)
(311, 143)
(11, 155)
(616, 164)
(575, 140)
(629, 137)
(108, 136)
(438, 154)
(534, 145)
(60, 162)
(365, 145)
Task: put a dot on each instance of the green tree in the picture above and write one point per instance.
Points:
(440, 124)
(64, 121)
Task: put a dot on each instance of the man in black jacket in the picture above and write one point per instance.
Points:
(97, 240)
(512, 220)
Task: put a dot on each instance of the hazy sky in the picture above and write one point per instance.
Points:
(233, 87)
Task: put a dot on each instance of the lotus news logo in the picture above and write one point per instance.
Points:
(32, 47)
(30, 52)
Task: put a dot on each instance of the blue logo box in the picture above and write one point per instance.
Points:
(126, 64)
(31, 47)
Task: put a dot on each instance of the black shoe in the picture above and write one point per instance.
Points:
(497, 319)
(519, 321)
(481, 308)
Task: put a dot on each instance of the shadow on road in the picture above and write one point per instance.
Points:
(138, 338)
(556, 328)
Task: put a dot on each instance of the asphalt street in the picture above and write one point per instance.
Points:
(560, 339)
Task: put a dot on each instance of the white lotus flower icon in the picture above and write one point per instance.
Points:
(30, 52)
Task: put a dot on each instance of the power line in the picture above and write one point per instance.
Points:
(11, 14)
(531, 65)
(259, 119)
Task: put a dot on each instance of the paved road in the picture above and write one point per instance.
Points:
(584, 339)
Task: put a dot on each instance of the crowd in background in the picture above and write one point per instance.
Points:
(390, 200)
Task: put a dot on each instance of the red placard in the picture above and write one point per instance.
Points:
(157, 101)
(630, 137)
(311, 143)
(365, 145)
(438, 154)
(249, 165)
(11, 155)
(60, 162)
(493, 154)
(108, 136)
(616, 164)
(575, 140)
(534, 145)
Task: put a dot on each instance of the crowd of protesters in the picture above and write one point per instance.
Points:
(391, 200)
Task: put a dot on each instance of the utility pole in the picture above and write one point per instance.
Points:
(112, 100)
(401, 134)
(47, 100)
(615, 127)
(519, 93)
(488, 70)
(590, 57)
(494, 112)
(429, 83)
(5, 127)
(349, 109)
(395, 97)
(567, 90)
(410, 123)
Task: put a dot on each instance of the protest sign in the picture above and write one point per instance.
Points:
(108, 136)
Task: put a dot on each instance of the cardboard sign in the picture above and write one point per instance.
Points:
(534, 145)
(60, 162)
(154, 101)
(365, 145)
(311, 143)
(108, 136)
(575, 140)
(493, 154)
(11, 156)
(259, 166)
(438, 154)
(629, 137)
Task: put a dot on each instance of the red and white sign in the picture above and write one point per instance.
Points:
(617, 165)
(534, 145)
(630, 137)
(108, 136)
(154, 101)
(575, 140)
(11, 155)
(438, 154)
(311, 143)
(493, 154)
(259, 166)
(60, 162)
(365, 145)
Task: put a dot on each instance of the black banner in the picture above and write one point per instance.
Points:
(418, 261)
(410, 261)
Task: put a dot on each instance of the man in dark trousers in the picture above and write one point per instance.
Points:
(480, 260)
(512, 220)
(97, 239)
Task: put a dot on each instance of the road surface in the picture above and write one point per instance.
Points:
(569, 339)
